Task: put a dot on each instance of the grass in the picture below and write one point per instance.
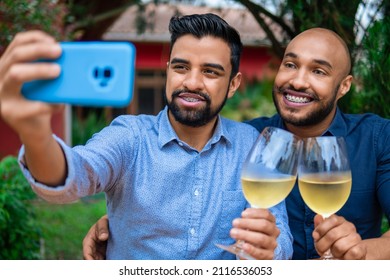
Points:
(64, 226)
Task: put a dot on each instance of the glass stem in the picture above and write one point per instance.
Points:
(328, 254)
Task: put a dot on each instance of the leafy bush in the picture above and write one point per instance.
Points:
(372, 74)
(254, 101)
(19, 233)
(83, 129)
(22, 15)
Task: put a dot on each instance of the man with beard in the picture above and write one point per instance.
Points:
(313, 76)
(172, 181)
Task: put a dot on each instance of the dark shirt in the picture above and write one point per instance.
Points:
(368, 142)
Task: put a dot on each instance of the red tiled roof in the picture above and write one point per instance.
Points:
(158, 16)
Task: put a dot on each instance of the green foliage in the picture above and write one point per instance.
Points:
(254, 101)
(19, 233)
(22, 15)
(31, 228)
(372, 72)
(385, 225)
(82, 130)
(65, 226)
(327, 14)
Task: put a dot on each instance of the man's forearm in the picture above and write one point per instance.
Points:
(46, 161)
(378, 248)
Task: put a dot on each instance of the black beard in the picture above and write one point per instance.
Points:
(193, 118)
(312, 118)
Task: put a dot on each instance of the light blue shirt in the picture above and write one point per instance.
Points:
(165, 200)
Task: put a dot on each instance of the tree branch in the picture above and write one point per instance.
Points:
(98, 18)
(277, 47)
(258, 9)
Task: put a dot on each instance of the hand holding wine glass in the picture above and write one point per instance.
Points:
(268, 174)
(324, 176)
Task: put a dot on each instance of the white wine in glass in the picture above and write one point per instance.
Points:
(267, 191)
(324, 176)
(269, 173)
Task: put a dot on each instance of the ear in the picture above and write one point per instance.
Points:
(344, 86)
(234, 84)
(167, 69)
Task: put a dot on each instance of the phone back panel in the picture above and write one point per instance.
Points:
(92, 74)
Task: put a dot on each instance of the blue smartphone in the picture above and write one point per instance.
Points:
(96, 74)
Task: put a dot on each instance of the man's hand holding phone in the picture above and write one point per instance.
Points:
(35, 67)
(92, 74)
(16, 68)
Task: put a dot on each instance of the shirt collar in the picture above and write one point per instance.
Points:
(166, 133)
(221, 132)
(338, 127)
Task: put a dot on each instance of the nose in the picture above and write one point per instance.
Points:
(193, 80)
(299, 80)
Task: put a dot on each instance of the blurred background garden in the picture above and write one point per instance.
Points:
(33, 229)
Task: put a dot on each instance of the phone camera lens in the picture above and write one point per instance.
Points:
(107, 73)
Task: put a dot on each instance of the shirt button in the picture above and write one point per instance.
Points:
(192, 231)
(180, 144)
(196, 192)
(309, 223)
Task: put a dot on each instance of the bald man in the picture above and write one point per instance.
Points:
(313, 76)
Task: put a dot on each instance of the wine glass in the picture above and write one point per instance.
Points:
(269, 173)
(324, 176)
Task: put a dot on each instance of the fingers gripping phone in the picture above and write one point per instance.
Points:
(92, 74)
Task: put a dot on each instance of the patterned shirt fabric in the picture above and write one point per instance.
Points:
(165, 200)
(367, 137)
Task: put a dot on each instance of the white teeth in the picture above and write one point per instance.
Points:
(190, 99)
(297, 99)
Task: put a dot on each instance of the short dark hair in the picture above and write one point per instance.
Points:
(201, 25)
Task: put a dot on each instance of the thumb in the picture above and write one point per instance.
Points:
(102, 228)
(317, 220)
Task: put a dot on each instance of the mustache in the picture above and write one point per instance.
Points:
(177, 92)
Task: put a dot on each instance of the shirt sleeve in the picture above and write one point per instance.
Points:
(284, 250)
(57, 194)
(93, 168)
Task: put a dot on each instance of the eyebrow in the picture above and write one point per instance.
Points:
(318, 61)
(211, 65)
(179, 60)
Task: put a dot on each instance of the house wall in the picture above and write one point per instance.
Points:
(9, 140)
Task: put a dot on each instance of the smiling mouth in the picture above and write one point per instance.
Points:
(191, 99)
(298, 99)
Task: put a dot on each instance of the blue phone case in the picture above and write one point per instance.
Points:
(92, 74)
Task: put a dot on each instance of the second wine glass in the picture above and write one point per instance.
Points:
(324, 176)
(269, 173)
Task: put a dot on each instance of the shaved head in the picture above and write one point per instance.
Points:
(313, 75)
(331, 40)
